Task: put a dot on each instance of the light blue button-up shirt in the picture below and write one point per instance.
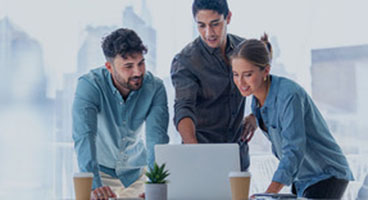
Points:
(106, 128)
(300, 138)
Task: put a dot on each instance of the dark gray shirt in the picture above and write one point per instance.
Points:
(206, 93)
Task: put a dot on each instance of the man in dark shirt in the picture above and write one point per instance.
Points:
(208, 107)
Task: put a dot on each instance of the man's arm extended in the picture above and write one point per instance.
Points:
(186, 129)
(186, 88)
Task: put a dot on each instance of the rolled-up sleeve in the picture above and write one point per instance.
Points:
(293, 140)
(84, 115)
(186, 88)
(156, 123)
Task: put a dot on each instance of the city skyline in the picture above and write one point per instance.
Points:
(42, 56)
(309, 28)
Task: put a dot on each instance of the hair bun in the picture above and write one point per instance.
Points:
(264, 39)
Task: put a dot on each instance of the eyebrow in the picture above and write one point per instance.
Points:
(130, 63)
(248, 71)
(211, 22)
(215, 20)
(127, 64)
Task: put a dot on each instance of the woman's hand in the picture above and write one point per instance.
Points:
(274, 187)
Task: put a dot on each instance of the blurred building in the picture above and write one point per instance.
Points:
(26, 116)
(339, 86)
(340, 90)
(21, 66)
(145, 31)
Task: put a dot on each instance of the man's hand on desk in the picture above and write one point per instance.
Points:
(250, 126)
(102, 193)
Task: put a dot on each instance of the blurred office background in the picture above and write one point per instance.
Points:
(46, 45)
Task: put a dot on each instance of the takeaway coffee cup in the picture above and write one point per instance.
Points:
(83, 185)
(239, 183)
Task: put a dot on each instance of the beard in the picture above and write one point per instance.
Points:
(133, 83)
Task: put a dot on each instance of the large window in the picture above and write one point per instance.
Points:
(46, 45)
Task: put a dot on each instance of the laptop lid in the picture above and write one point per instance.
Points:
(198, 171)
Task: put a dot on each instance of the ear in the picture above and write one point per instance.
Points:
(108, 66)
(228, 17)
(267, 70)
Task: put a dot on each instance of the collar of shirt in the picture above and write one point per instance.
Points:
(272, 93)
(229, 46)
(111, 84)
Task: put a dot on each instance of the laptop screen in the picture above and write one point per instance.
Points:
(198, 171)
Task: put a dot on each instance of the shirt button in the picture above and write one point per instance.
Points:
(121, 103)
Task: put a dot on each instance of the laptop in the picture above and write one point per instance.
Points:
(198, 171)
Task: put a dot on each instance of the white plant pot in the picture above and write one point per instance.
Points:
(155, 191)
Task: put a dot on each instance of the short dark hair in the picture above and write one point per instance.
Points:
(220, 6)
(257, 52)
(123, 42)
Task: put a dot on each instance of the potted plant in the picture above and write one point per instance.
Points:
(156, 186)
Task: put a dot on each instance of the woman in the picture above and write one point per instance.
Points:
(309, 157)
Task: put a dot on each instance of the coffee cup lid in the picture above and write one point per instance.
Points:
(83, 174)
(239, 174)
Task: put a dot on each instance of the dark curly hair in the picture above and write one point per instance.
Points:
(123, 42)
(220, 6)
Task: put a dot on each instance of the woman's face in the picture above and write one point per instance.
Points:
(248, 77)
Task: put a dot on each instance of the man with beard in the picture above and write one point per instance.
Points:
(111, 103)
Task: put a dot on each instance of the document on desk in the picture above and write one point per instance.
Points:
(272, 196)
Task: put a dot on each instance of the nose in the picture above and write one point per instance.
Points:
(209, 31)
(138, 71)
(240, 81)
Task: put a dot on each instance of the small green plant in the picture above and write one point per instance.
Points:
(158, 174)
